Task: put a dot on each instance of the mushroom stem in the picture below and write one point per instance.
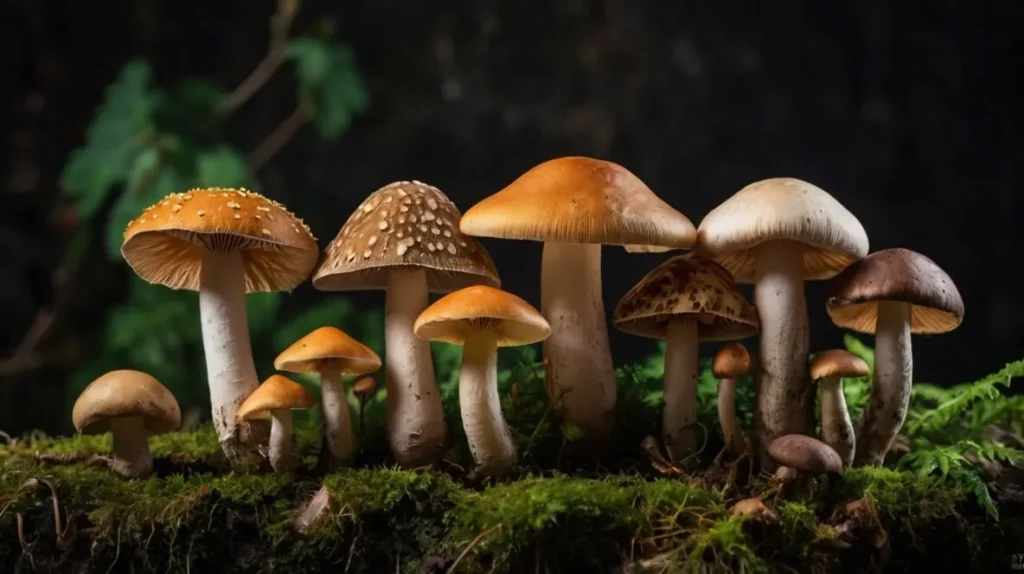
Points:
(416, 428)
(337, 419)
(230, 370)
(578, 353)
(732, 432)
(785, 398)
(131, 447)
(890, 390)
(280, 447)
(836, 426)
(680, 410)
(489, 437)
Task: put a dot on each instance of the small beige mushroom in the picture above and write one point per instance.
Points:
(729, 364)
(829, 368)
(800, 454)
(277, 397)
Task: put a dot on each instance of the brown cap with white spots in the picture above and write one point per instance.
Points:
(165, 244)
(687, 285)
(405, 223)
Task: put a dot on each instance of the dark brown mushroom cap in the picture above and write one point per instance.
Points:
(838, 363)
(732, 361)
(805, 454)
(687, 285)
(895, 275)
(126, 393)
(404, 224)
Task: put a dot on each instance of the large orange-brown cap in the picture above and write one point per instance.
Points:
(580, 200)
(838, 363)
(276, 393)
(895, 275)
(328, 349)
(805, 454)
(731, 361)
(456, 316)
(782, 209)
(126, 393)
(687, 285)
(165, 244)
(404, 224)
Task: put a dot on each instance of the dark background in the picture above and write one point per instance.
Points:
(909, 113)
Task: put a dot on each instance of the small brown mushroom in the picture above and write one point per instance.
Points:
(801, 454)
(730, 363)
(276, 397)
(363, 389)
(829, 368)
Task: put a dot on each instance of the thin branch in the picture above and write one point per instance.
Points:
(277, 139)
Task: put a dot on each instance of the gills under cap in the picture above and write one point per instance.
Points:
(895, 275)
(328, 349)
(456, 316)
(782, 209)
(276, 393)
(126, 393)
(838, 363)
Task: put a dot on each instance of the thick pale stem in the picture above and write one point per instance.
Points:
(732, 432)
(680, 411)
(836, 426)
(280, 447)
(489, 438)
(341, 442)
(416, 428)
(785, 397)
(131, 448)
(890, 390)
(230, 370)
(578, 355)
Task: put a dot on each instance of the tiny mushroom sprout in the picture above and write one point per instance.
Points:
(685, 300)
(729, 364)
(892, 293)
(481, 319)
(574, 205)
(277, 396)
(131, 405)
(777, 233)
(829, 368)
(332, 354)
(223, 243)
(800, 454)
(404, 238)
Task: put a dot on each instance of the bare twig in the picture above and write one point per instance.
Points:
(470, 546)
(281, 135)
(280, 24)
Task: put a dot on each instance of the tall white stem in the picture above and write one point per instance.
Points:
(280, 447)
(890, 390)
(785, 397)
(230, 370)
(680, 411)
(341, 441)
(416, 428)
(732, 433)
(578, 354)
(489, 437)
(131, 448)
(836, 426)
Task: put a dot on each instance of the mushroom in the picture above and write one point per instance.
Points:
(404, 238)
(892, 293)
(800, 454)
(276, 397)
(575, 205)
(332, 354)
(481, 319)
(685, 300)
(131, 405)
(777, 233)
(729, 364)
(829, 368)
(223, 243)
(363, 389)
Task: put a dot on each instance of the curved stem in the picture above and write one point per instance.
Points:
(131, 448)
(836, 426)
(280, 447)
(578, 353)
(337, 419)
(890, 390)
(489, 437)
(680, 411)
(785, 398)
(732, 432)
(416, 428)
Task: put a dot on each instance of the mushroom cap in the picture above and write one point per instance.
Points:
(687, 285)
(328, 350)
(782, 209)
(456, 316)
(731, 361)
(404, 224)
(165, 244)
(126, 393)
(276, 393)
(838, 363)
(895, 275)
(805, 454)
(580, 200)
(364, 386)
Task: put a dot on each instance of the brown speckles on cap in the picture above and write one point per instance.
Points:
(687, 285)
(390, 225)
